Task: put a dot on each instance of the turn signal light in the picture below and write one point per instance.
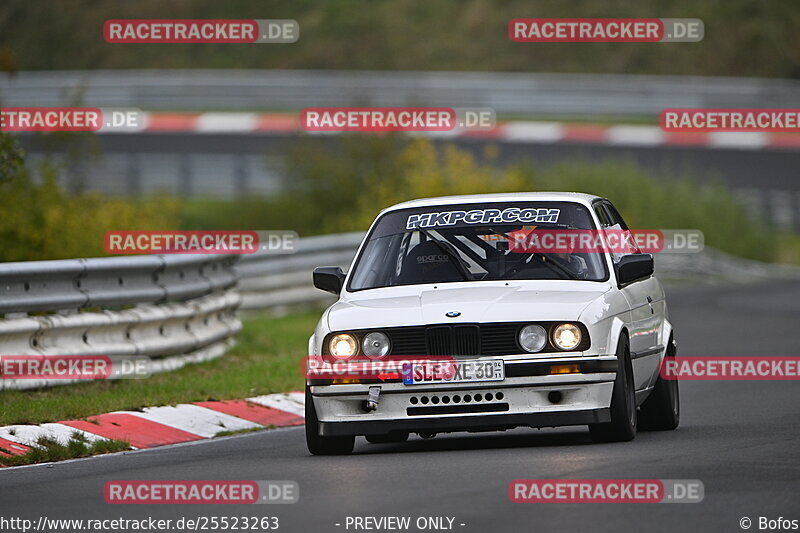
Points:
(345, 381)
(565, 369)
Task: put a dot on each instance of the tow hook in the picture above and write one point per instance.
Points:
(371, 403)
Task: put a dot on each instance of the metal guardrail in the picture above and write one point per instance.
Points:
(507, 93)
(277, 281)
(174, 309)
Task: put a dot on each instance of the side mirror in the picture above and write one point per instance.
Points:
(634, 267)
(329, 279)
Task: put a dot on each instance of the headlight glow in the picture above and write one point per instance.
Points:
(532, 338)
(375, 344)
(343, 346)
(566, 336)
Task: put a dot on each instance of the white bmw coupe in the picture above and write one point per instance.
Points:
(478, 334)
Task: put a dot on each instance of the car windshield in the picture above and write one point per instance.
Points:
(452, 243)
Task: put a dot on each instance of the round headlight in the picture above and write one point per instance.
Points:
(566, 336)
(532, 338)
(375, 344)
(343, 346)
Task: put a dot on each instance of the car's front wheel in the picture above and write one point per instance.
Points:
(662, 410)
(623, 402)
(316, 443)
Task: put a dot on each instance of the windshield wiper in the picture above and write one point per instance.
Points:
(446, 247)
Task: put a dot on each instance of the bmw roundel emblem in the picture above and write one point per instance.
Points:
(452, 314)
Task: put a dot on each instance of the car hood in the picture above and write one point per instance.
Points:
(475, 301)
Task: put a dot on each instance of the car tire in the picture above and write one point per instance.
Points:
(623, 402)
(662, 409)
(388, 438)
(316, 443)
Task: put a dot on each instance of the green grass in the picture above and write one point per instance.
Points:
(267, 359)
(51, 451)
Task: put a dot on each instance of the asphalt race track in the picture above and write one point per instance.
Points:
(741, 439)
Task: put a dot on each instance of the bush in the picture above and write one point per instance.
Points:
(336, 185)
(38, 220)
(649, 203)
(340, 186)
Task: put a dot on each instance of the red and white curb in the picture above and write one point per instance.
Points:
(536, 132)
(158, 426)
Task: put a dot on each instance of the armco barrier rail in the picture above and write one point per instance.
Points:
(179, 309)
(506, 92)
(274, 282)
(175, 309)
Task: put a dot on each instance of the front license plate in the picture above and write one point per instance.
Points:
(425, 372)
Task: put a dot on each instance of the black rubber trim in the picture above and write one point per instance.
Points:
(458, 409)
(513, 370)
(542, 368)
(645, 353)
(466, 423)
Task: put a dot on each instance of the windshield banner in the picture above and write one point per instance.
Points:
(483, 216)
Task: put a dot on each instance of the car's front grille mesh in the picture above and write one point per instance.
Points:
(462, 339)
(407, 340)
(499, 338)
(438, 340)
(469, 339)
(466, 340)
(453, 340)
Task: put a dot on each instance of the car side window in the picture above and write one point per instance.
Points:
(610, 219)
(614, 217)
(601, 215)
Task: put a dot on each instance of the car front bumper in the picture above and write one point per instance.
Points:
(529, 396)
